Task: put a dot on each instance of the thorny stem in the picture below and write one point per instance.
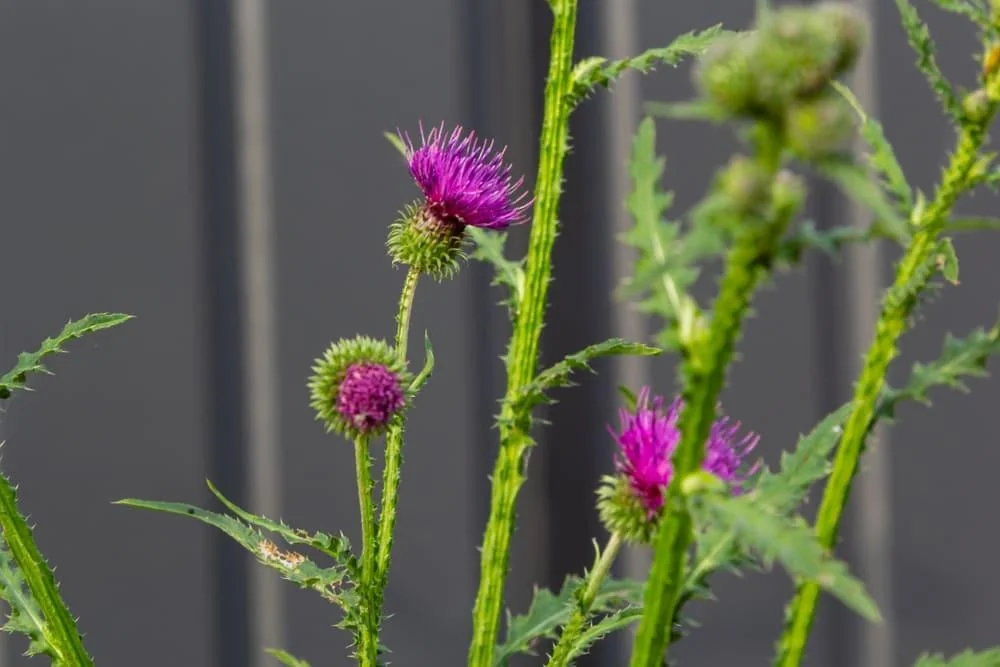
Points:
(704, 371)
(563, 652)
(393, 452)
(958, 177)
(368, 640)
(508, 474)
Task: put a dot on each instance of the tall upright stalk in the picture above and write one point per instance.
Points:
(523, 352)
(958, 177)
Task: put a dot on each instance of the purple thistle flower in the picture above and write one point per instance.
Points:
(464, 181)
(370, 394)
(649, 437)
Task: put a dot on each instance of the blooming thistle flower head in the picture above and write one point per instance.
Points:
(358, 386)
(464, 182)
(631, 502)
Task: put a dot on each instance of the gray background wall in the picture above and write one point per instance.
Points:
(119, 190)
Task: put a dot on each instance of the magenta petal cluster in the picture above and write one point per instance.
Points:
(370, 394)
(648, 438)
(464, 180)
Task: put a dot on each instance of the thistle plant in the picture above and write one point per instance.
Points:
(685, 484)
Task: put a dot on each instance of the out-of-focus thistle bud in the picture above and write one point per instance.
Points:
(799, 50)
(995, 13)
(991, 61)
(818, 127)
(788, 193)
(745, 184)
(724, 74)
(976, 106)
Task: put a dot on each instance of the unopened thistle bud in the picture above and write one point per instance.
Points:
(358, 386)
(745, 184)
(464, 182)
(801, 49)
(818, 127)
(725, 76)
(976, 106)
(631, 502)
(788, 193)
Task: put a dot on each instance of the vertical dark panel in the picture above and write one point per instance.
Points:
(99, 212)
(225, 339)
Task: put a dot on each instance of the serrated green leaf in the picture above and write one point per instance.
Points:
(490, 249)
(789, 541)
(960, 358)
(425, 372)
(29, 363)
(558, 375)
(920, 40)
(593, 72)
(25, 615)
(336, 547)
(699, 109)
(853, 180)
(593, 633)
(989, 658)
(970, 9)
(828, 241)
(549, 611)
(882, 157)
(292, 566)
(972, 224)
(947, 260)
(783, 491)
(286, 658)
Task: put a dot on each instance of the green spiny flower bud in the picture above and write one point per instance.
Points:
(623, 512)
(426, 243)
(850, 28)
(788, 192)
(359, 386)
(745, 183)
(818, 127)
(976, 105)
(724, 74)
(800, 50)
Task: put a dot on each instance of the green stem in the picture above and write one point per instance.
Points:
(393, 452)
(890, 326)
(563, 652)
(704, 369)
(523, 352)
(59, 630)
(368, 640)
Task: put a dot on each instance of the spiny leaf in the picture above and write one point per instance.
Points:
(290, 565)
(947, 260)
(593, 72)
(828, 241)
(688, 110)
(989, 658)
(853, 180)
(60, 636)
(970, 9)
(972, 224)
(25, 615)
(336, 547)
(286, 658)
(788, 540)
(783, 491)
(666, 262)
(960, 358)
(558, 375)
(31, 362)
(883, 157)
(425, 372)
(920, 40)
(549, 611)
(616, 620)
(490, 248)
